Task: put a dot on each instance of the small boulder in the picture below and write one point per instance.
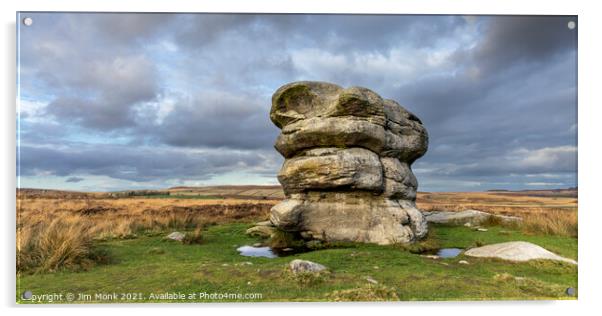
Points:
(515, 251)
(371, 280)
(434, 257)
(305, 266)
(176, 236)
(467, 218)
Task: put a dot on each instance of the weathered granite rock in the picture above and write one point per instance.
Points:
(341, 132)
(328, 168)
(176, 236)
(347, 174)
(516, 251)
(305, 266)
(471, 217)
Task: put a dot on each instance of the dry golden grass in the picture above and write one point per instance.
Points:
(553, 215)
(57, 229)
(57, 242)
(56, 232)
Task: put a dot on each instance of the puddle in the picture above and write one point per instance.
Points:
(267, 252)
(250, 251)
(449, 252)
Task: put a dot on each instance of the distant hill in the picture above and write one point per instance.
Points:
(232, 191)
(222, 191)
(262, 192)
(569, 192)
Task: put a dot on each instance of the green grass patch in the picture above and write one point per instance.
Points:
(152, 265)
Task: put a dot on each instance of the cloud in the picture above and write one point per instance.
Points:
(519, 39)
(98, 100)
(542, 162)
(74, 179)
(158, 98)
(216, 119)
(539, 184)
(141, 164)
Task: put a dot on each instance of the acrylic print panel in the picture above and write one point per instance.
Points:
(199, 158)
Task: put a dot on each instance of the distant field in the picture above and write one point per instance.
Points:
(217, 192)
(552, 211)
(248, 191)
(506, 202)
(548, 198)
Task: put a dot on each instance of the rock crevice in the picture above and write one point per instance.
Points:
(347, 173)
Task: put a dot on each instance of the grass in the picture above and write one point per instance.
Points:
(57, 234)
(552, 222)
(150, 264)
(59, 243)
(193, 237)
(71, 242)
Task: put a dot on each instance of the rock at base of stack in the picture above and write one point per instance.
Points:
(347, 174)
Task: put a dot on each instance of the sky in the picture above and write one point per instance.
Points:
(111, 101)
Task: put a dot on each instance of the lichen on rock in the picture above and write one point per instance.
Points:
(347, 173)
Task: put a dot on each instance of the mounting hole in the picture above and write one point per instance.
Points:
(28, 21)
(27, 295)
(571, 25)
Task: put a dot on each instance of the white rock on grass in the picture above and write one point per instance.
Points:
(515, 251)
(434, 257)
(467, 218)
(371, 280)
(176, 236)
(301, 266)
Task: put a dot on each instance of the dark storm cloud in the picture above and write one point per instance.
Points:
(497, 94)
(515, 90)
(129, 27)
(74, 179)
(562, 159)
(523, 107)
(219, 120)
(198, 31)
(113, 88)
(355, 32)
(139, 163)
(518, 39)
(91, 65)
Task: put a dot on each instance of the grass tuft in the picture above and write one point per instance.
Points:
(194, 237)
(60, 243)
(553, 222)
(282, 239)
(367, 293)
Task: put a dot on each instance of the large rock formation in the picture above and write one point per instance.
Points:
(347, 174)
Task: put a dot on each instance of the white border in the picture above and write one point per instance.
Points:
(589, 142)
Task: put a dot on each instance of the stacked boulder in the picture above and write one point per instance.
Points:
(347, 173)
